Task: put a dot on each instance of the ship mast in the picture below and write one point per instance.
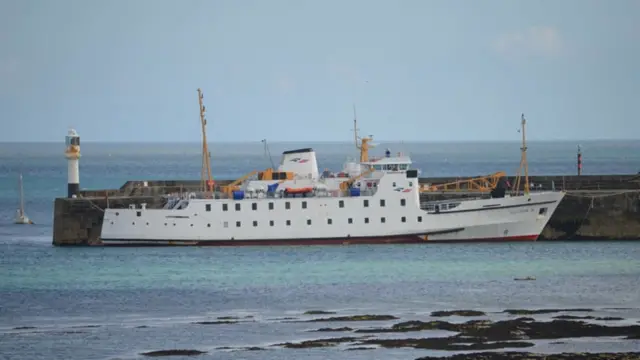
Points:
(205, 184)
(523, 161)
(21, 197)
(364, 143)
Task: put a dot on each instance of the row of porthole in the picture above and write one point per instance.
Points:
(288, 222)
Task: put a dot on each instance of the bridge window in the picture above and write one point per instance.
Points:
(225, 207)
(340, 204)
(254, 206)
(304, 204)
(270, 206)
(382, 202)
(138, 213)
(237, 206)
(207, 207)
(287, 205)
(403, 202)
(366, 203)
(238, 224)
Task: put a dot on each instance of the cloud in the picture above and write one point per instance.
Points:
(536, 40)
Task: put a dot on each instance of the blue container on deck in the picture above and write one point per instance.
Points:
(355, 191)
(272, 188)
(238, 195)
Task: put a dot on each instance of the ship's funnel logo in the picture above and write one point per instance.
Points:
(299, 160)
(401, 189)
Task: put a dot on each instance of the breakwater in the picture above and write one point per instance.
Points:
(595, 207)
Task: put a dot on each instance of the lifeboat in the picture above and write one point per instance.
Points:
(303, 190)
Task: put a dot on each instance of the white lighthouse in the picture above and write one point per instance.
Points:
(72, 153)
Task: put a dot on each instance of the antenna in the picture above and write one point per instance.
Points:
(268, 153)
(206, 155)
(355, 127)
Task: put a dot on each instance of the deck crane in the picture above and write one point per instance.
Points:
(206, 180)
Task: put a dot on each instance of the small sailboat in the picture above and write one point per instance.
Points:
(21, 217)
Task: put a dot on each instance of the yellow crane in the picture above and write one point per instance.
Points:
(479, 184)
(206, 180)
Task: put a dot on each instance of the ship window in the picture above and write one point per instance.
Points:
(191, 225)
(174, 224)
(304, 204)
(133, 223)
(394, 184)
(147, 224)
(237, 223)
(410, 183)
(270, 206)
(237, 206)
(287, 205)
(366, 203)
(117, 213)
(366, 220)
(419, 218)
(329, 221)
(165, 224)
(404, 219)
(403, 202)
(382, 203)
(382, 220)
(208, 225)
(542, 211)
(288, 222)
(255, 223)
(254, 206)
(207, 207)
(138, 213)
(340, 204)
(271, 223)
(350, 221)
(308, 221)
(225, 224)
(225, 207)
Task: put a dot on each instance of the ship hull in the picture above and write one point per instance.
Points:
(416, 239)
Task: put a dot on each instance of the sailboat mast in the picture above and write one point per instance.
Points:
(21, 197)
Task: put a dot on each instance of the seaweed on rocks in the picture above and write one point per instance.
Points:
(356, 318)
(329, 342)
(542, 311)
(533, 356)
(573, 317)
(174, 352)
(457, 313)
(333, 329)
(319, 312)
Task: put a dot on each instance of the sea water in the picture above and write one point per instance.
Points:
(114, 303)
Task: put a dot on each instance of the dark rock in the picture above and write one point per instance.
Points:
(24, 328)
(458, 313)
(356, 318)
(319, 312)
(361, 348)
(173, 353)
(319, 343)
(228, 318)
(532, 356)
(85, 326)
(142, 327)
(215, 322)
(447, 344)
(542, 311)
(609, 318)
(254, 348)
(572, 317)
(333, 329)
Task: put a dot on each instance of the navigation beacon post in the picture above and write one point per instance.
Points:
(72, 153)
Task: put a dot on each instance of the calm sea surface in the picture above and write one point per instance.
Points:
(137, 299)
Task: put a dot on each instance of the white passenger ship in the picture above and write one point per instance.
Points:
(371, 201)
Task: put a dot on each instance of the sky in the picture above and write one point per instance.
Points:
(291, 70)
